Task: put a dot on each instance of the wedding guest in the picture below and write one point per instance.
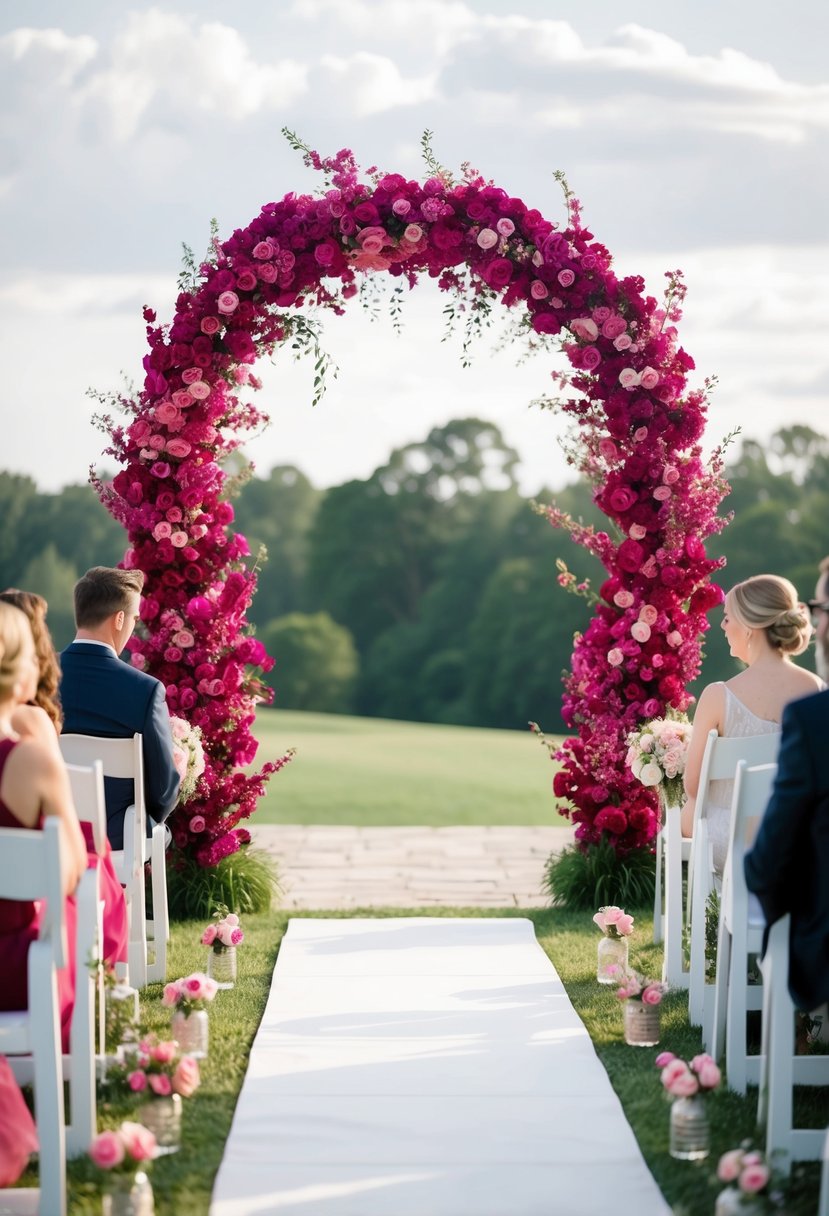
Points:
(102, 696)
(41, 719)
(788, 867)
(820, 619)
(765, 626)
(33, 784)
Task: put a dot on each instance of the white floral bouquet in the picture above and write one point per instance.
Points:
(656, 756)
(188, 756)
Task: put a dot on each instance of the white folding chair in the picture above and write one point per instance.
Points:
(79, 1065)
(780, 1068)
(30, 868)
(740, 933)
(124, 758)
(719, 763)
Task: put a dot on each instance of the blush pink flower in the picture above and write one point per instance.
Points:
(186, 1078)
(754, 1178)
(107, 1150)
(640, 631)
(160, 1084)
(584, 328)
(566, 278)
(227, 302)
(137, 1080)
(623, 599)
(648, 614)
(615, 657)
(199, 391)
(652, 995)
(539, 290)
(729, 1166)
(629, 378)
(139, 1142)
(649, 378)
(487, 239)
(210, 325)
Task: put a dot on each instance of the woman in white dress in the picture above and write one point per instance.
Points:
(765, 626)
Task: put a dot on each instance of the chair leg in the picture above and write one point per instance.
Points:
(80, 1131)
(672, 970)
(48, 1078)
(157, 970)
(658, 929)
(721, 991)
(736, 1045)
(780, 1056)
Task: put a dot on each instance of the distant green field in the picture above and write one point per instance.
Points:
(375, 772)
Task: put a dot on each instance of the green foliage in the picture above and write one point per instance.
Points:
(317, 663)
(247, 881)
(598, 876)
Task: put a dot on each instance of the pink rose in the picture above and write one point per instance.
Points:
(166, 412)
(673, 1069)
(622, 342)
(162, 530)
(263, 250)
(640, 632)
(107, 1150)
(225, 932)
(624, 925)
(640, 434)
(183, 638)
(236, 937)
(613, 327)
(163, 1053)
(227, 302)
(648, 614)
(585, 328)
(137, 1081)
(709, 1075)
(198, 824)
(231, 919)
(210, 325)
(181, 398)
(179, 539)
(566, 278)
(179, 448)
(209, 935)
(505, 227)
(730, 1164)
(599, 920)
(664, 1058)
(186, 1078)
(191, 374)
(754, 1178)
(487, 238)
(590, 358)
(413, 233)
(170, 995)
(200, 391)
(637, 532)
(685, 1085)
(138, 1141)
(615, 657)
(161, 1085)
(539, 290)
(629, 378)
(662, 493)
(401, 207)
(652, 995)
(623, 599)
(649, 378)
(612, 914)
(670, 475)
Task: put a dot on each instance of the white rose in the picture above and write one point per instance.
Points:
(651, 774)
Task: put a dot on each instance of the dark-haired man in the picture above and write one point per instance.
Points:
(101, 695)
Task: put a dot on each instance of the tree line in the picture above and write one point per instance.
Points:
(429, 591)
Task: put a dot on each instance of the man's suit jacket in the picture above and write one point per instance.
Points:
(101, 695)
(788, 868)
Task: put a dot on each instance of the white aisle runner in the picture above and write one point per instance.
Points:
(422, 1066)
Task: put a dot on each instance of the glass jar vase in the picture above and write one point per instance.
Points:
(612, 953)
(641, 1023)
(690, 1133)
(190, 1030)
(221, 966)
(734, 1202)
(162, 1116)
(128, 1195)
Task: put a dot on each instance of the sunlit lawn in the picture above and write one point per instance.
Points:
(372, 771)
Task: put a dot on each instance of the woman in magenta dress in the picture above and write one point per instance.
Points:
(41, 718)
(33, 784)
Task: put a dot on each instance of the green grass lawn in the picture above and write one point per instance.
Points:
(376, 772)
(183, 1181)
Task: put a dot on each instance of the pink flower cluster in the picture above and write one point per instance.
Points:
(635, 987)
(124, 1148)
(613, 921)
(682, 1080)
(639, 430)
(190, 993)
(155, 1068)
(747, 1168)
(223, 932)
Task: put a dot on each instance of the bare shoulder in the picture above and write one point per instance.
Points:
(33, 723)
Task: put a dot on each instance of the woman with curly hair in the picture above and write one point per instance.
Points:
(40, 718)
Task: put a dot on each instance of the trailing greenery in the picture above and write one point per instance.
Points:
(246, 882)
(596, 876)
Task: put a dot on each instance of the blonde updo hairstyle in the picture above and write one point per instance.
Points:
(770, 603)
(14, 627)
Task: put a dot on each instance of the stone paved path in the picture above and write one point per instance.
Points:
(333, 867)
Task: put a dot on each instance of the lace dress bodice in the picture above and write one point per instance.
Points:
(740, 722)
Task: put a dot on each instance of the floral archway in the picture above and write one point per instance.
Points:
(636, 430)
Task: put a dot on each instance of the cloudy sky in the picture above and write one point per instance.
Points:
(694, 134)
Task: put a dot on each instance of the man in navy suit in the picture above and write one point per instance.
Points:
(101, 695)
(788, 868)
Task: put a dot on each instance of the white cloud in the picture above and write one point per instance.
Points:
(371, 84)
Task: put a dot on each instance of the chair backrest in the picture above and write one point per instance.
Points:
(752, 790)
(119, 757)
(87, 785)
(722, 755)
(30, 868)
